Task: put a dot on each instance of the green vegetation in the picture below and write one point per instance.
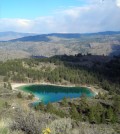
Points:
(19, 95)
(30, 97)
(68, 69)
(95, 113)
(82, 115)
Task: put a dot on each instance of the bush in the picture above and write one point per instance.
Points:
(26, 122)
(64, 101)
(61, 126)
(29, 122)
(51, 109)
(3, 127)
(30, 97)
(19, 95)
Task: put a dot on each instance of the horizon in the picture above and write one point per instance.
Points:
(56, 32)
(70, 16)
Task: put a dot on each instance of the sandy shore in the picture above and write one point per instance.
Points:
(93, 90)
(16, 85)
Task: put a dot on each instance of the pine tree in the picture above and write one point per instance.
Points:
(64, 101)
(111, 117)
(116, 104)
(9, 86)
(92, 115)
(41, 106)
(19, 95)
(98, 118)
(30, 97)
(49, 108)
(74, 113)
(103, 120)
(5, 85)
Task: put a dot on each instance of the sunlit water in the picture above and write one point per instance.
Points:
(51, 93)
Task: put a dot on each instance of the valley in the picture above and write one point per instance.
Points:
(59, 67)
(61, 60)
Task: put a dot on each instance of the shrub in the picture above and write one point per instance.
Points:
(3, 127)
(61, 126)
(19, 95)
(51, 109)
(30, 122)
(30, 97)
(26, 122)
(64, 101)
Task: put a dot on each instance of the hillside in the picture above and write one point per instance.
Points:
(82, 115)
(103, 43)
(45, 37)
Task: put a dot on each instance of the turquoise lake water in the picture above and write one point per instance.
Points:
(51, 93)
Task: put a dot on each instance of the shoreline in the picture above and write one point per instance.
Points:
(16, 85)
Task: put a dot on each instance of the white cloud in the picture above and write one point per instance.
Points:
(118, 3)
(96, 15)
(15, 24)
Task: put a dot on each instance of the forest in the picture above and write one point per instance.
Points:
(101, 72)
(66, 69)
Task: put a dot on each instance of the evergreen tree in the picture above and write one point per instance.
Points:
(49, 108)
(30, 97)
(64, 101)
(9, 86)
(5, 85)
(19, 95)
(98, 118)
(103, 120)
(116, 104)
(111, 116)
(74, 113)
(41, 106)
(92, 115)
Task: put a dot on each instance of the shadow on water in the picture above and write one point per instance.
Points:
(106, 69)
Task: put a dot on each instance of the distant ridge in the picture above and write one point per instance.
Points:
(34, 38)
(10, 35)
(45, 37)
(47, 45)
(105, 33)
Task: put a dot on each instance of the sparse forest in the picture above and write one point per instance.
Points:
(101, 110)
(64, 69)
(59, 66)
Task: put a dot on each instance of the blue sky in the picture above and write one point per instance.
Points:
(59, 16)
(30, 9)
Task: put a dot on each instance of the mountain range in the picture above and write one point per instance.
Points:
(16, 36)
(28, 44)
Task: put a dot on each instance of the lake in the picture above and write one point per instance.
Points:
(52, 93)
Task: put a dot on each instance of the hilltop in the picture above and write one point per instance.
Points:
(45, 37)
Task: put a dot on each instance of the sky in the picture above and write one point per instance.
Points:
(59, 16)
